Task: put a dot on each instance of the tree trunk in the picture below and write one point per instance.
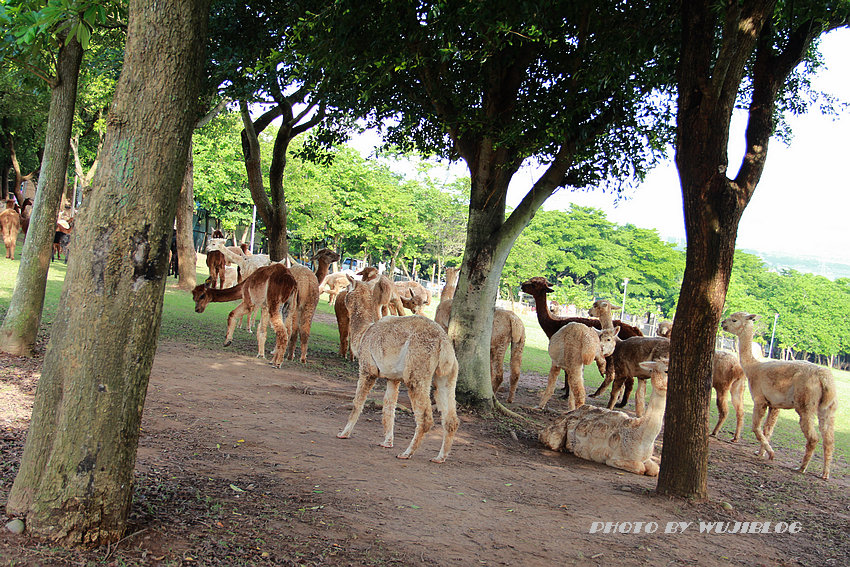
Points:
(76, 476)
(187, 261)
(20, 328)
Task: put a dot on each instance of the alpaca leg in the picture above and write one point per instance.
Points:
(616, 389)
(758, 413)
(231, 321)
(517, 349)
(637, 467)
(577, 393)
(722, 409)
(566, 394)
(738, 404)
(550, 386)
(640, 397)
(305, 320)
(364, 386)
(293, 338)
(282, 334)
(388, 414)
(262, 330)
(770, 423)
(444, 395)
(420, 400)
(810, 432)
(497, 367)
(826, 422)
(608, 372)
(628, 384)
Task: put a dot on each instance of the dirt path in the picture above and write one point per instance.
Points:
(250, 455)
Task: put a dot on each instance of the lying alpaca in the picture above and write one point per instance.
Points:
(802, 386)
(613, 437)
(413, 350)
(274, 290)
(572, 348)
(508, 330)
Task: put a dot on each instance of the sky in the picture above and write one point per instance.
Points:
(801, 206)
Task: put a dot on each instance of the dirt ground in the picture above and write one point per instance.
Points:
(239, 464)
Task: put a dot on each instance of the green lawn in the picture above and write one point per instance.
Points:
(181, 323)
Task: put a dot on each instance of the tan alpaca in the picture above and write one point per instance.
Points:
(452, 276)
(727, 377)
(389, 300)
(602, 309)
(413, 296)
(508, 330)
(334, 283)
(10, 226)
(343, 320)
(571, 348)
(271, 288)
(613, 437)
(802, 386)
(413, 350)
(308, 300)
(323, 258)
(248, 264)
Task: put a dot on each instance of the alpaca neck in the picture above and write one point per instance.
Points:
(322, 271)
(233, 257)
(650, 422)
(448, 292)
(360, 321)
(745, 347)
(226, 294)
(606, 319)
(543, 314)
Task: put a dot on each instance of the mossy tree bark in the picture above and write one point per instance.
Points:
(20, 327)
(76, 475)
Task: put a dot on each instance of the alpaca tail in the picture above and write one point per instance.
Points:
(287, 306)
(828, 403)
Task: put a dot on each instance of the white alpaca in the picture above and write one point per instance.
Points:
(613, 437)
(413, 350)
(802, 386)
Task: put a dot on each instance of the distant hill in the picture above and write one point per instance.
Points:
(805, 264)
(832, 269)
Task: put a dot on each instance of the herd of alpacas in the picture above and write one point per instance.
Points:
(416, 351)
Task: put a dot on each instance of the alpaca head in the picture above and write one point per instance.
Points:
(665, 329)
(738, 322)
(602, 307)
(658, 374)
(607, 340)
(217, 234)
(325, 255)
(452, 275)
(368, 273)
(216, 244)
(536, 285)
(201, 295)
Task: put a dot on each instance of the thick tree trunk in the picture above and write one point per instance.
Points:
(20, 328)
(76, 476)
(186, 259)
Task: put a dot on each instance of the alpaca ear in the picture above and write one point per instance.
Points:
(616, 331)
(615, 307)
(753, 317)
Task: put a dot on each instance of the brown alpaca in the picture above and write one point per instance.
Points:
(537, 287)
(308, 300)
(216, 263)
(571, 348)
(413, 296)
(323, 259)
(274, 290)
(623, 366)
(10, 225)
(413, 350)
(802, 386)
(61, 239)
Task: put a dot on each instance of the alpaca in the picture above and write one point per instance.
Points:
(216, 262)
(727, 376)
(271, 288)
(571, 348)
(323, 259)
(389, 298)
(508, 330)
(665, 329)
(537, 287)
(413, 296)
(247, 263)
(333, 284)
(802, 386)
(613, 437)
(61, 239)
(452, 276)
(343, 321)
(10, 225)
(308, 300)
(413, 350)
(624, 365)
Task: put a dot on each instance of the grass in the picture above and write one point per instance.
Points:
(181, 323)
